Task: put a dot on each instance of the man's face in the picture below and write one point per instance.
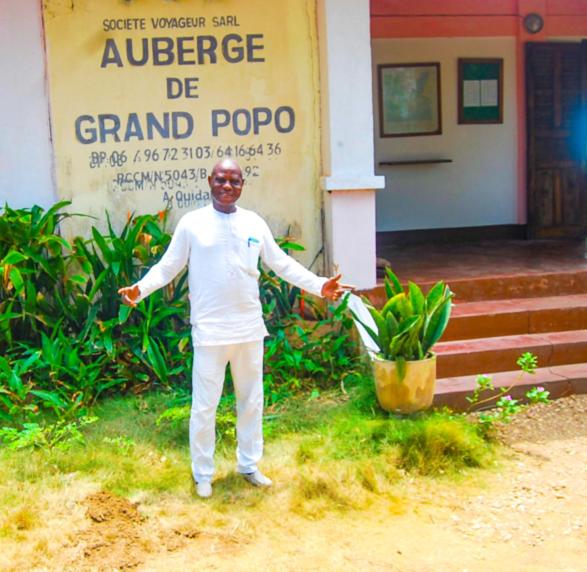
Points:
(226, 185)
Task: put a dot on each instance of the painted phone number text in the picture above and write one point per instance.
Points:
(117, 159)
(169, 179)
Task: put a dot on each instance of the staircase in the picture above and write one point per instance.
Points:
(496, 319)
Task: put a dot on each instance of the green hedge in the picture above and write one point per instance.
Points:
(66, 339)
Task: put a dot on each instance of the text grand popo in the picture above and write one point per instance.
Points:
(107, 127)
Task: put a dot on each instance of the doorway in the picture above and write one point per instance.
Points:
(556, 76)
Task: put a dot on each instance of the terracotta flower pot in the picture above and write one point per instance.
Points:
(414, 393)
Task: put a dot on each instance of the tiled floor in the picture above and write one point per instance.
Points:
(428, 262)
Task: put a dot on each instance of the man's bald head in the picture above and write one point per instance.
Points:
(227, 164)
(226, 184)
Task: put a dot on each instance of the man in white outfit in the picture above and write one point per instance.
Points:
(222, 243)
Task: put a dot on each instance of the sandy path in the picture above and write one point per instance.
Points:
(532, 517)
(527, 514)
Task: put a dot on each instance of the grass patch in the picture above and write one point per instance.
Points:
(332, 452)
(428, 444)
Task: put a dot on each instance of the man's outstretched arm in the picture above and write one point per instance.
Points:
(170, 265)
(333, 289)
(130, 295)
(292, 271)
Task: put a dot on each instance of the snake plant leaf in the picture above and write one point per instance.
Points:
(436, 324)
(395, 347)
(434, 296)
(413, 339)
(400, 365)
(417, 298)
(370, 331)
(377, 317)
(391, 303)
(392, 324)
(381, 327)
(407, 324)
(403, 307)
(388, 288)
(395, 284)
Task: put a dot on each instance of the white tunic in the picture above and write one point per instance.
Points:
(222, 251)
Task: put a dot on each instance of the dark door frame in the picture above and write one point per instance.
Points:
(556, 146)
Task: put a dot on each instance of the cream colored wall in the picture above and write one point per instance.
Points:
(479, 187)
(286, 191)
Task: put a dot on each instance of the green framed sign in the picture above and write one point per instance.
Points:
(480, 88)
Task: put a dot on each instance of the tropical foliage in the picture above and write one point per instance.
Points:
(65, 339)
(409, 323)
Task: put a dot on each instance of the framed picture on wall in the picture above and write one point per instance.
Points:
(480, 88)
(409, 99)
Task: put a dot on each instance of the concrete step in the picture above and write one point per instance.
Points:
(497, 318)
(504, 287)
(489, 355)
(561, 380)
(493, 318)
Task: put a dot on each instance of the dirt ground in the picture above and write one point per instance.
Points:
(527, 514)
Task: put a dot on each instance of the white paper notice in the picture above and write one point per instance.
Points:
(488, 93)
(471, 93)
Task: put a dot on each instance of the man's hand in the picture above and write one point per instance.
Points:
(333, 289)
(129, 295)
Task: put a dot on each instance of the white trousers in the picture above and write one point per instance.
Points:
(246, 365)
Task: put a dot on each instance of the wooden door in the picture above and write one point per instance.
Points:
(556, 75)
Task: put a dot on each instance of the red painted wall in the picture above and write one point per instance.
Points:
(483, 18)
(459, 18)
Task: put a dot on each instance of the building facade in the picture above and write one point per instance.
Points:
(509, 156)
(351, 118)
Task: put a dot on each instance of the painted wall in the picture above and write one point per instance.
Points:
(25, 150)
(454, 18)
(563, 19)
(347, 143)
(480, 186)
(236, 80)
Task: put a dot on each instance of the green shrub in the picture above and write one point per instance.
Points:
(410, 323)
(36, 283)
(307, 355)
(67, 340)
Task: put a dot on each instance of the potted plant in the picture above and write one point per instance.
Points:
(405, 331)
